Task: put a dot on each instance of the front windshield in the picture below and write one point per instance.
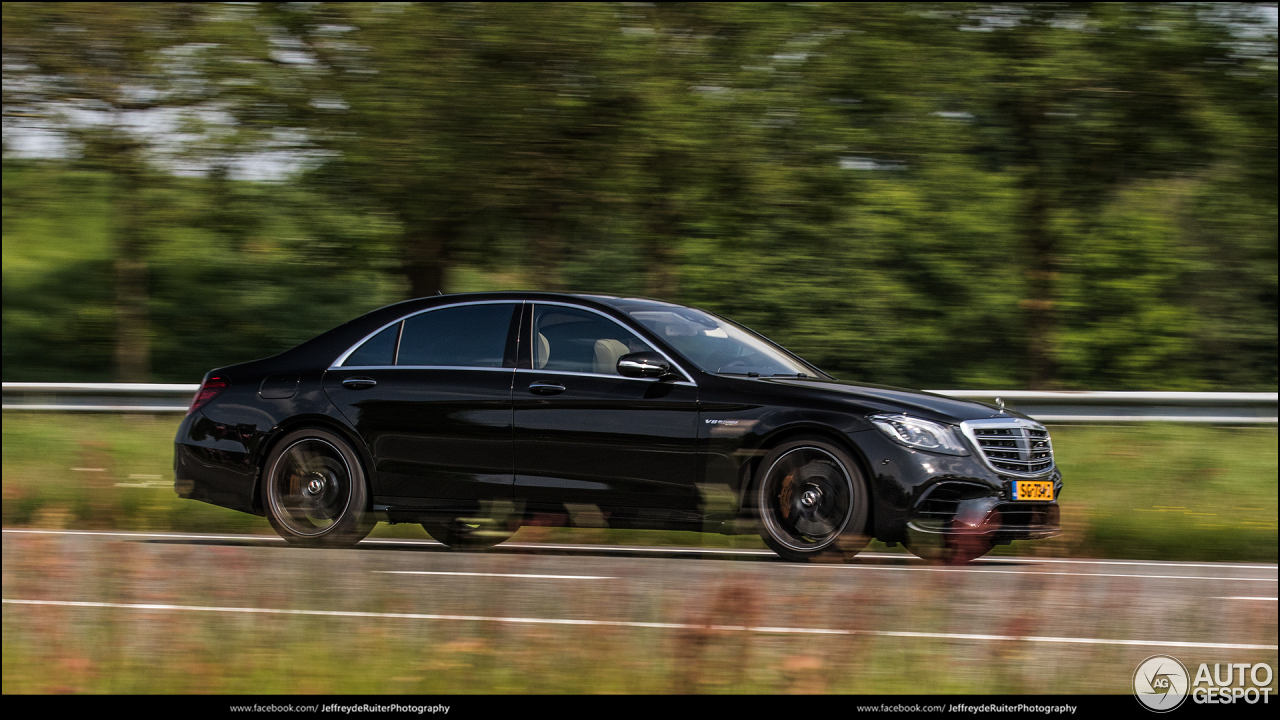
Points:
(719, 346)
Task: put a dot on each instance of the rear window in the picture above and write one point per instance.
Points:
(462, 336)
(377, 350)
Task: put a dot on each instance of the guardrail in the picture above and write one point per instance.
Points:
(99, 397)
(1221, 408)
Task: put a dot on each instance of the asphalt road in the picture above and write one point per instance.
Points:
(1056, 609)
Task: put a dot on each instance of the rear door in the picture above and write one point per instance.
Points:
(431, 397)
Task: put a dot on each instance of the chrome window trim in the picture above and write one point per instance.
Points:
(395, 353)
(337, 364)
(599, 375)
(967, 427)
(422, 367)
(687, 383)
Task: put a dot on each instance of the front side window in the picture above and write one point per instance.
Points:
(460, 336)
(571, 340)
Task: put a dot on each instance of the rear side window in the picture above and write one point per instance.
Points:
(377, 350)
(462, 336)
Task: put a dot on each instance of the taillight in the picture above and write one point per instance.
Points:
(209, 390)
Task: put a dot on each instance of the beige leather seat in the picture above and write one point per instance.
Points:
(608, 351)
(541, 353)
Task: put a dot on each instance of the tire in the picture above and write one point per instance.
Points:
(475, 533)
(314, 491)
(812, 501)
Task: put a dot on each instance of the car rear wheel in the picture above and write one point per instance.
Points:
(812, 501)
(314, 491)
(470, 533)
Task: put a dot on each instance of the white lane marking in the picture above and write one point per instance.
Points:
(729, 551)
(626, 623)
(1084, 561)
(1241, 597)
(916, 568)
(643, 548)
(179, 536)
(511, 575)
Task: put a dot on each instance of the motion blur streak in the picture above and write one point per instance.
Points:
(666, 626)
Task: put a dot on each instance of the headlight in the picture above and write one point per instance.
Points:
(920, 434)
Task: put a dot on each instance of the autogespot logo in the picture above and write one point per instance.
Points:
(1160, 683)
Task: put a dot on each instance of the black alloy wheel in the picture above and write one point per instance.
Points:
(315, 492)
(813, 502)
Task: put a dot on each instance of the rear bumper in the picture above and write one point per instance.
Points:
(209, 475)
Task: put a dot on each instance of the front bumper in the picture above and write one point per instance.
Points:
(988, 516)
(919, 493)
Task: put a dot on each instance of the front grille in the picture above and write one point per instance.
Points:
(1013, 445)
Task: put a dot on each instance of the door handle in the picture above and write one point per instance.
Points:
(545, 388)
(359, 383)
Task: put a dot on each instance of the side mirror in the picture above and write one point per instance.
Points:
(643, 365)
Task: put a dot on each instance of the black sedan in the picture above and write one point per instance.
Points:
(475, 414)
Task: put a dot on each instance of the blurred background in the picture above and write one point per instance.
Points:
(1035, 196)
(1013, 196)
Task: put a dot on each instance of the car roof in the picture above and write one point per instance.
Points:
(615, 301)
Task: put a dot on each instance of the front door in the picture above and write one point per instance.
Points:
(585, 435)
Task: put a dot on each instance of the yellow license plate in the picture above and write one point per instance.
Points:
(1033, 490)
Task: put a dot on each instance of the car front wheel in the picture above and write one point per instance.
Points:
(812, 502)
(952, 549)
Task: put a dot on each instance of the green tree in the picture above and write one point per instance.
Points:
(88, 72)
(927, 194)
(451, 117)
(1080, 101)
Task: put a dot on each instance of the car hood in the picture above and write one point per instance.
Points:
(884, 398)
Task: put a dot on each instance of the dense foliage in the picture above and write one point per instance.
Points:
(932, 195)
